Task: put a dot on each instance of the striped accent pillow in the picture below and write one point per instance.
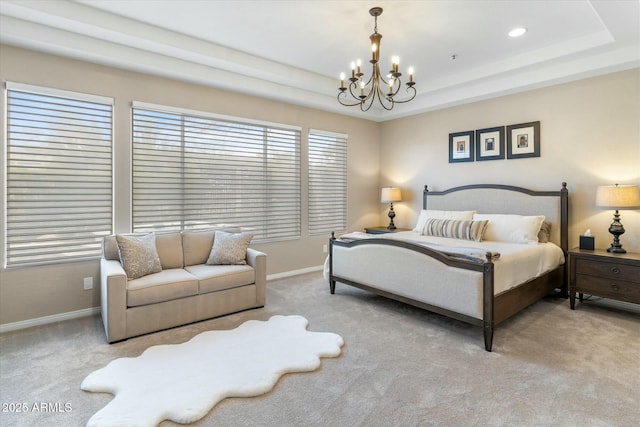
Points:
(455, 229)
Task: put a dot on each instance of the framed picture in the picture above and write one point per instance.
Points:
(461, 147)
(490, 143)
(523, 140)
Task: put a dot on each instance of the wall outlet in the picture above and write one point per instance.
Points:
(324, 249)
(88, 283)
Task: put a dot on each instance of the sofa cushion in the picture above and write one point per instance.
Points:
(229, 248)
(159, 287)
(138, 255)
(197, 244)
(169, 246)
(219, 277)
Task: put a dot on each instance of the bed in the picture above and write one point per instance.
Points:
(465, 279)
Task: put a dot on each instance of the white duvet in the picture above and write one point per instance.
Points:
(517, 262)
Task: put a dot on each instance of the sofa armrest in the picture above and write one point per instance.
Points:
(113, 293)
(258, 260)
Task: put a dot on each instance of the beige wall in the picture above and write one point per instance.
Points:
(590, 135)
(27, 293)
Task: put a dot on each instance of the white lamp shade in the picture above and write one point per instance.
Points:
(390, 194)
(618, 196)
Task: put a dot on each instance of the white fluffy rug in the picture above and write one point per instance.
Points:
(183, 382)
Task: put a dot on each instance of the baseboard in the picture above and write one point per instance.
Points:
(294, 272)
(610, 303)
(8, 327)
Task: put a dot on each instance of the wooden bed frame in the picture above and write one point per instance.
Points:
(496, 308)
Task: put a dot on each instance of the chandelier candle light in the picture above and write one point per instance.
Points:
(364, 93)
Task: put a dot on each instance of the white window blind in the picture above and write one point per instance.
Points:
(195, 171)
(58, 175)
(327, 182)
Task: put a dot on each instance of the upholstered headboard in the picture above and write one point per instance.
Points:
(507, 199)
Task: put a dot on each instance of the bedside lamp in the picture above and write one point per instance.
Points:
(617, 197)
(390, 195)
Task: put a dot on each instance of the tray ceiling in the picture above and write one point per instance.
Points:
(294, 51)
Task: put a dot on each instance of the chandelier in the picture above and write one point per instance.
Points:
(364, 93)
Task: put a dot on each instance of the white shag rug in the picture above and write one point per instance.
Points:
(183, 382)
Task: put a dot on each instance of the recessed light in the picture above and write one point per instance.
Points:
(517, 32)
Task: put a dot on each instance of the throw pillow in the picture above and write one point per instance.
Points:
(545, 232)
(229, 248)
(426, 214)
(454, 229)
(138, 255)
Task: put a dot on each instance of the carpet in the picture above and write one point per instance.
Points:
(183, 382)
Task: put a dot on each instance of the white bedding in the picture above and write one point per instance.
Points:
(516, 264)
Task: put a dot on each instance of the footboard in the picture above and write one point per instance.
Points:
(417, 275)
(459, 288)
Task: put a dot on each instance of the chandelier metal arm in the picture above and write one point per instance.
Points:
(346, 104)
(409, 88)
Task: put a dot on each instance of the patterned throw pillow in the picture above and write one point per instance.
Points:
(545, 232)
(454, 229)
(138, 255)
(427, 214)
(229, 248)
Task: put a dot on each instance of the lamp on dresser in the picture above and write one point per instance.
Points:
(617, 197)
(390, 195)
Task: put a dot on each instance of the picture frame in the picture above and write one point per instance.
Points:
(523, 140)
(490, 143)
(461, 147)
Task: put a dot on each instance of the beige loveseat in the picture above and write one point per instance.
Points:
(185, 291)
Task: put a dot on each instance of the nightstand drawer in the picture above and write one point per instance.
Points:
(603, 274)
(617, 289)
(608, 270)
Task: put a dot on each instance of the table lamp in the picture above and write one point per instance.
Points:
(390, 195)
(617, 197)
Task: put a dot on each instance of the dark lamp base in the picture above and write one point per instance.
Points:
(615, 250)
(391, 215)
(616, 229)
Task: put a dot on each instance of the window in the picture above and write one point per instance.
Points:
(327, 182)
(58, 175)
(197, 170)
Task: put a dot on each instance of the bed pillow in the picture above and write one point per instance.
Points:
(426, 214)
(229, 248)
(511, 228)
(454, 229)
(138, 255)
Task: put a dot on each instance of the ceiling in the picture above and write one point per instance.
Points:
(294, 51)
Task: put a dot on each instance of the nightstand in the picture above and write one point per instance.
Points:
(383, 230)
(598, 272)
